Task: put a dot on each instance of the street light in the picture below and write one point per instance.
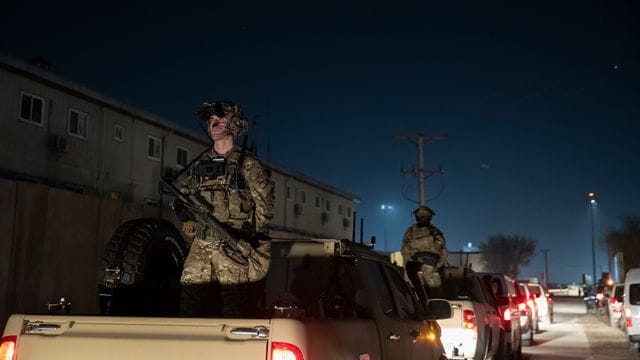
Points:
(592, 204)
(386, 208)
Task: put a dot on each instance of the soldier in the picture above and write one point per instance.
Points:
(424, 248)
(235, 184)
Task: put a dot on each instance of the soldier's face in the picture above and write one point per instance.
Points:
(423, 219)
(219, 127)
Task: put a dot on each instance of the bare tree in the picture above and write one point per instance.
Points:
(507, 253)
(626, 239)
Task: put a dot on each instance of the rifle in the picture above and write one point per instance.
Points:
(237, 250)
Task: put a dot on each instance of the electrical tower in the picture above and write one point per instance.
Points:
(420, 139)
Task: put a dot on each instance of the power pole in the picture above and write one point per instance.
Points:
(420, 139)
(546, 268)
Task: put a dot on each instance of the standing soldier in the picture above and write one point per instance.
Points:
(423, 248)
(237, 188)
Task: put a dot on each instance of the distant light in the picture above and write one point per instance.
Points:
(386, 207)
(382, 207)
(593, 201)
(591, 194)
(469, 244)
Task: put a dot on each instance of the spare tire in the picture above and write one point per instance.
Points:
(148, 255)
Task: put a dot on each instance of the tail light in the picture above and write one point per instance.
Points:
(612, 301)
(468, 319)
(627, 316)
(507, 315)
(8, 348)
(522, 306)
(599, 296)
(283, 351)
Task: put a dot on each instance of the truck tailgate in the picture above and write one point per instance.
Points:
(59, 337)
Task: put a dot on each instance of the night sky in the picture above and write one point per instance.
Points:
(539, 101)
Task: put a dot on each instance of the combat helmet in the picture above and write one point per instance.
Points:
(237, 119)
(423, 210)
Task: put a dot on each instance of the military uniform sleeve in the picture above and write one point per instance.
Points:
(261, 188)
(405, 249)
(441, 246)
(182, 183)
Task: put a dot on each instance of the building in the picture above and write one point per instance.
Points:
(57, 132)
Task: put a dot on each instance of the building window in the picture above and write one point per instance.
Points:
(348, 211)
(118, 133)
(78, 123)
(154, 147)
(318, 202)
(289, 192)
(327, 205)
(182, 156)
(339, 209)
(303, 197)
(31, 109)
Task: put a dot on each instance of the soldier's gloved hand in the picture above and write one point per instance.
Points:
(182, 213)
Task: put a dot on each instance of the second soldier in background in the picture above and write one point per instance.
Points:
(235, 184)
(424, 250)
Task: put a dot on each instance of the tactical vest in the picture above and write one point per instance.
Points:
(227, 192)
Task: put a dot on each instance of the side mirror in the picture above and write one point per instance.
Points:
(502, 301)
(437, 309)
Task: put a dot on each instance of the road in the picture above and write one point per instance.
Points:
(577, 335)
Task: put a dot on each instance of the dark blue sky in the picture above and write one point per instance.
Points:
(540, 102)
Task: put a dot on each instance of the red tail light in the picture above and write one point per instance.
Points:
(468, 319)
(8, 348)
(283, 351)
(507, 314)
(612, 301)
(627, 316)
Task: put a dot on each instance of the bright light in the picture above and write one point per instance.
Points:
(285, 351)
(8, 347)
(386, 207)
(592, 194)
(593, 201)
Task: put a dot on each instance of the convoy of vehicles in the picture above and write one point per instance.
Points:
(316, 296)
(324, 299)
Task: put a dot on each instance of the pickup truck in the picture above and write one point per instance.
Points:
(324, 299)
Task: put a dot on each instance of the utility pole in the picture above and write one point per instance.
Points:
(546, 268)
(420, 139)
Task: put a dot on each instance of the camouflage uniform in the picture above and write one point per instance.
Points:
(241, 196)
(425, 238)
